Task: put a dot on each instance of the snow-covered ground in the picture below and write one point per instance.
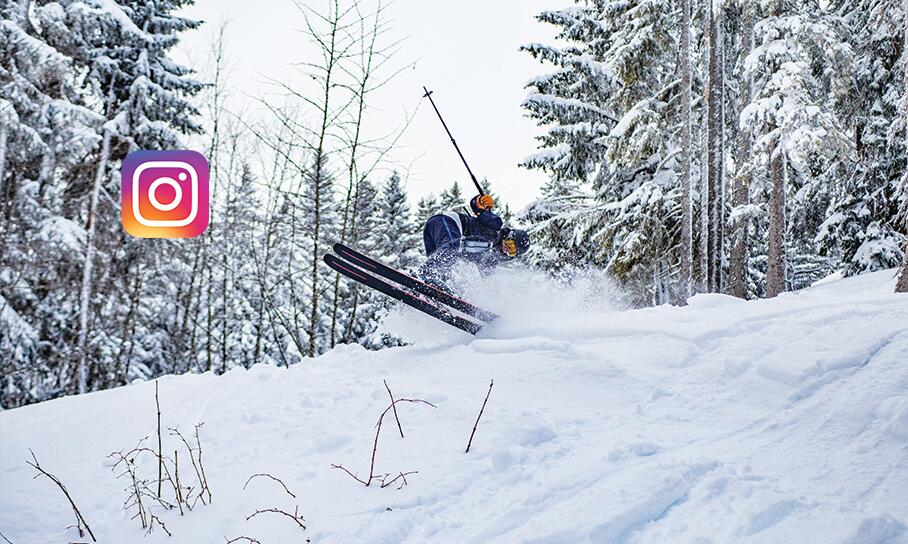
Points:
(725, 421)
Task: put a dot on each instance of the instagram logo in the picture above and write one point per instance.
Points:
(165, 194)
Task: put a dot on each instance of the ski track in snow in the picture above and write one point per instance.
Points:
(725, 421)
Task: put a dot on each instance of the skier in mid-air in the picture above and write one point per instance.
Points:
(480, 238)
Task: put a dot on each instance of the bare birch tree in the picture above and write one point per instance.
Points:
(88, 264)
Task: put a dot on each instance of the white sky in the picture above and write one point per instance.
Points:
(466, 51)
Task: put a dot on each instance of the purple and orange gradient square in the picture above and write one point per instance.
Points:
(165, 194)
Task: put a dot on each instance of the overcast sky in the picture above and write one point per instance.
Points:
(465, 51)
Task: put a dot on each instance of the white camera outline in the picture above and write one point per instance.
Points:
(194, 189)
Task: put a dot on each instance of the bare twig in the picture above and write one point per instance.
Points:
(354, 476)
(491, 383)
(196, 465)
(295, 516)
(372, 475)
(157, 402)
(246, 539)
(378, 432)
(266, 475)
(176, 473)
(198, 443)
(135, 493)
(399, 428)
(402, 476)
(174, 484)
(8, 541)
(80, 521)
(156, 519)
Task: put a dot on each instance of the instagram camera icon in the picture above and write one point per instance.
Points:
(165, 194)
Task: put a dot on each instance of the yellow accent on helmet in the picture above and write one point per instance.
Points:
(509, 247)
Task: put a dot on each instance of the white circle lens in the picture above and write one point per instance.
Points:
(177, 197)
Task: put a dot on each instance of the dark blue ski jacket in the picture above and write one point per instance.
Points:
(455, 229)
(455, 235)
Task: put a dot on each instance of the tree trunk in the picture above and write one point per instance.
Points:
(714, 156)
(703, 242)
(317, 219)
(3, 136)
(87, 268)
(775, 271)
(209, 306)
(124, 355)
(7, 118)
(686, 203)
(737, 266)
(901, 286)
(332, 56)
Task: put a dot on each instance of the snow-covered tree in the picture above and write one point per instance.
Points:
(799, 69)
(452, 198)
(69, 99)
(610, 114)
(862, 227)
(395, 241)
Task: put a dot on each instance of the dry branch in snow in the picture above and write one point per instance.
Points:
(372, 475)
(80, 521)
(491, 383)
(295, 516)
(266, 475)
(399, 428)
(245, 539)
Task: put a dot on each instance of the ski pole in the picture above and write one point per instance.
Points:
(475, 182)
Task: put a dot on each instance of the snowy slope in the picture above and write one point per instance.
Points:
(725, 421)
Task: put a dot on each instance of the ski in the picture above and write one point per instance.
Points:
(423, 288)
(427, 307)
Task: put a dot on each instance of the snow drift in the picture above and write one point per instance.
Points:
(724, 421)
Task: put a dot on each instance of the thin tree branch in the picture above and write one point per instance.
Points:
(80, 521)
(491, 383)
(266, 475)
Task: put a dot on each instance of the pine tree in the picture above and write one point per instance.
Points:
(610, 114)
(452, 198)
(861, 225)
(799, 71)
(395, 241)
(361, 307)
(426, 207)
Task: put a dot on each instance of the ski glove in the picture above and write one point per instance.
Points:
(481, 203)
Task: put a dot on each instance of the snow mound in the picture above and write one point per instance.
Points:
(724, 421)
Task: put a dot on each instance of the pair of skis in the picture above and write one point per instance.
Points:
(409, 290)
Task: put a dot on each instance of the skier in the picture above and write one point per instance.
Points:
(481, 239)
